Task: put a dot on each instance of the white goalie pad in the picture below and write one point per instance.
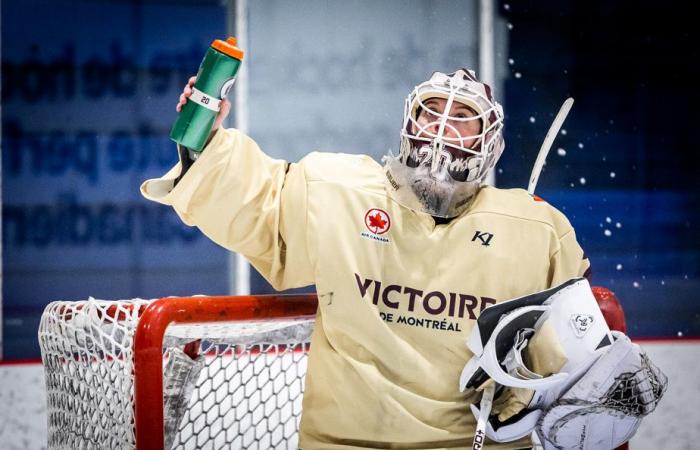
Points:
(605, 407)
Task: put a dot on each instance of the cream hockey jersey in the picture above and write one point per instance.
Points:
(398, 294)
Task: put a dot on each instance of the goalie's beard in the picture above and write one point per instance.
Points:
(419, 187)
(433, 192)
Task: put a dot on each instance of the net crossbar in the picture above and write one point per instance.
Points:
(180, 373)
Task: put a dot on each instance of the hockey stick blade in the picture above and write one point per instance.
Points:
(547, 144)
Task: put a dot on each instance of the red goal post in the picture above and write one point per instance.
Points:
(105, 363)
(148, 343)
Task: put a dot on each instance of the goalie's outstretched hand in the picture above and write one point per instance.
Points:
(223, 112)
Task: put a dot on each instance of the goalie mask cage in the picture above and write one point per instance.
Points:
(180, 373)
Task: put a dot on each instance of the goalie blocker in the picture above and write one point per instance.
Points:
(588, 388)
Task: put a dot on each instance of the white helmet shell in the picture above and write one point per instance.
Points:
(438, 170)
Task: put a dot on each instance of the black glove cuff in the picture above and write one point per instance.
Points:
(187, 158)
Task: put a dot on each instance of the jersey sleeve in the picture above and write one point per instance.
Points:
(246, 202)
(568, 261)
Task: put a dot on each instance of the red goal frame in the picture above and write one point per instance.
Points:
(148, 343)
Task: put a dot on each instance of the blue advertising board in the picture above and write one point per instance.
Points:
(88, 96)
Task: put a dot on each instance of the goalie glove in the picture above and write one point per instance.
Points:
(570, 328)
(605, 407)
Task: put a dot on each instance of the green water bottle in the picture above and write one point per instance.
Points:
(215, 77)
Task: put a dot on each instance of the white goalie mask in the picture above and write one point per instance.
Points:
(439, 167)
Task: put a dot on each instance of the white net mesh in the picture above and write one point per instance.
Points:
(637, 393)
(243, 389)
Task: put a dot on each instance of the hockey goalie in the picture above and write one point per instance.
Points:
(548, 364)
(409, 259)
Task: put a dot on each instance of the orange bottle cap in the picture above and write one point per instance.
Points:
(228, 47)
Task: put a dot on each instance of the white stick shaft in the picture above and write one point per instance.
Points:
(547, 144)
(484, 411)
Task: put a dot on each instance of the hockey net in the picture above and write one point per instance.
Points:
(180, 373)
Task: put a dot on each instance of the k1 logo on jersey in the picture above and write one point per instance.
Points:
(484, 238)
(377, 222)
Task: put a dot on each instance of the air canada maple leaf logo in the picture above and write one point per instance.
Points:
(377, 221)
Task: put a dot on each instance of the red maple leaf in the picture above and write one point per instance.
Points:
(376, 221)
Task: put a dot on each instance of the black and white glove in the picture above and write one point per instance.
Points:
(538, 349)
(605, 407)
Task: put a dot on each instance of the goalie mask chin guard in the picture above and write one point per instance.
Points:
(438, 170)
